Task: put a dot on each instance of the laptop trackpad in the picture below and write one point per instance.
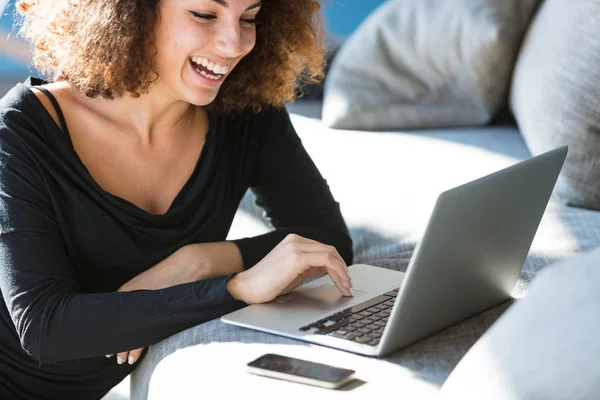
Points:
(321, 298)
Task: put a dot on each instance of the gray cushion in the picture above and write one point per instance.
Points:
(544, 347)
(556, 93)
(426, 63)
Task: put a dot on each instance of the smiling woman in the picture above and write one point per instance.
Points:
(122, 172)
(109, 48)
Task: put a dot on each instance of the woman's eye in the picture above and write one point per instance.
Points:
(203, 16)
(210, 17)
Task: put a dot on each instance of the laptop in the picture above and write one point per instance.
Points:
(468, 261)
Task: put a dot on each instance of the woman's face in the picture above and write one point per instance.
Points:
(199, 43)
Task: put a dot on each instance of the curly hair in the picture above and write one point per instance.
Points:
(105, 48)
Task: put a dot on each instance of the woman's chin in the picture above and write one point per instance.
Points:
(201, 99)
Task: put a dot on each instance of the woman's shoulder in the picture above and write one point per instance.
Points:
(17, 98)
(23, 118)
(21, 105)
(16, 109)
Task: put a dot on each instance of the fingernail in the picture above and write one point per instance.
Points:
(109, 355)
(130, 360)
(352, 291)
(119, 360)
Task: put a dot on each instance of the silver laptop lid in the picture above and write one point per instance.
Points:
(473, 249)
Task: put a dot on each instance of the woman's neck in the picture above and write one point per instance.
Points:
(149, 118)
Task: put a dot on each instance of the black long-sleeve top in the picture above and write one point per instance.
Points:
(66, 245)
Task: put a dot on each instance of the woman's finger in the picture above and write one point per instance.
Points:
(320, 248)
(335, 270)
(309, 245)
(122, 357)
(134, 355)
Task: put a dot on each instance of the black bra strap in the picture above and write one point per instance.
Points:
(63, 122)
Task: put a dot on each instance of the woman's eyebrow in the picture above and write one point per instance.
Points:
(223, 3)
(255, 5)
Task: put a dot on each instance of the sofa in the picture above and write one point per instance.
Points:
(389, 142)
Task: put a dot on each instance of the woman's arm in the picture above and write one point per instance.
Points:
(291, 190)
(190, 263)
(56, 322)
(282, 270)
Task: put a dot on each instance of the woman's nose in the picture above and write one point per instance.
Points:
(229, 41)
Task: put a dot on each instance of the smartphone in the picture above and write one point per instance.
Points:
(302, 371)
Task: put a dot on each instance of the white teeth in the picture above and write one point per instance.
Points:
(216, 68)
(214, 78)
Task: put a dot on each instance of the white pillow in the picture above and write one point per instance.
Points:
(555, 95)
(545, 346)
(426, 63)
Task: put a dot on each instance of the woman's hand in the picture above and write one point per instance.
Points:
(286, 267)
(188, 264)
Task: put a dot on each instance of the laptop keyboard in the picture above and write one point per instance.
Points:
(362, 323)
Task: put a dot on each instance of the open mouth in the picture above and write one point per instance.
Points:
(206, 73)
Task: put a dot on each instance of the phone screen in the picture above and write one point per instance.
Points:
(301, 368)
